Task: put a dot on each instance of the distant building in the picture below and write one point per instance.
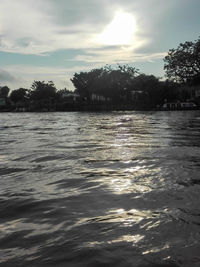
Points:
(71, 95)
(98, 98)
(179, 105)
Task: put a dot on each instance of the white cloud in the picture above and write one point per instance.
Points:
(29, 27)
(33, 27)
(117, 55)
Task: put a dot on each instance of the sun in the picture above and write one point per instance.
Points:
(120, 31)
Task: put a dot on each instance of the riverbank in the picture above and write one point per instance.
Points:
(99, 107)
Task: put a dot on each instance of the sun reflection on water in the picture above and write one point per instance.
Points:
(124, 238)
(134, 179)
(156, 249)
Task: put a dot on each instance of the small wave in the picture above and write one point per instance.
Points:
(48, 158)
(10, 127)
(6, 171)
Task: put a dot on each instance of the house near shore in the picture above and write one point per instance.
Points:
(179, 105)
(99, 98)
(70, 98)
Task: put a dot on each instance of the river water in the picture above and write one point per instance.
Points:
(100, 189)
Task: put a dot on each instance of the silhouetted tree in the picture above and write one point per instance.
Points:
(19, 95)
(170, 91)
(183, 64)
(105, 81)
(150, 87)
(4, 91)
(85, 82)
(43, 94)
(41, 90)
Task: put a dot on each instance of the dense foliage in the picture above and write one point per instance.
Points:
(42, 91)
(4, 91)
(182, 64)
(105, 81)
(19, 95)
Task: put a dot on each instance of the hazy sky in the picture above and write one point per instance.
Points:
(53, 39)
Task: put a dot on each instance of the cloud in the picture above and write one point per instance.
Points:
(32, 27)
(114, 55)
(29, 27)
(39, 27)
(5, 76)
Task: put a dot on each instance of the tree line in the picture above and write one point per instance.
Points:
(122, 87)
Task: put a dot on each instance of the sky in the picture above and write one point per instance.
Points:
(52, 39)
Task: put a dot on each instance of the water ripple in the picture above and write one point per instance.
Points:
(100, 189)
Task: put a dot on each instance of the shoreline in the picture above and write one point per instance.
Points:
(92, 109)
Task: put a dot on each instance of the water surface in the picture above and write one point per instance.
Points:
(100, 189)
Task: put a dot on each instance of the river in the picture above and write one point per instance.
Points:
(100, 189)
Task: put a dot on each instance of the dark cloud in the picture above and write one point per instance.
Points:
(6, 76)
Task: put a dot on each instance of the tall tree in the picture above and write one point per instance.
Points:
(43, 95)
(42, 91)
(183, 64)
(85, 82)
